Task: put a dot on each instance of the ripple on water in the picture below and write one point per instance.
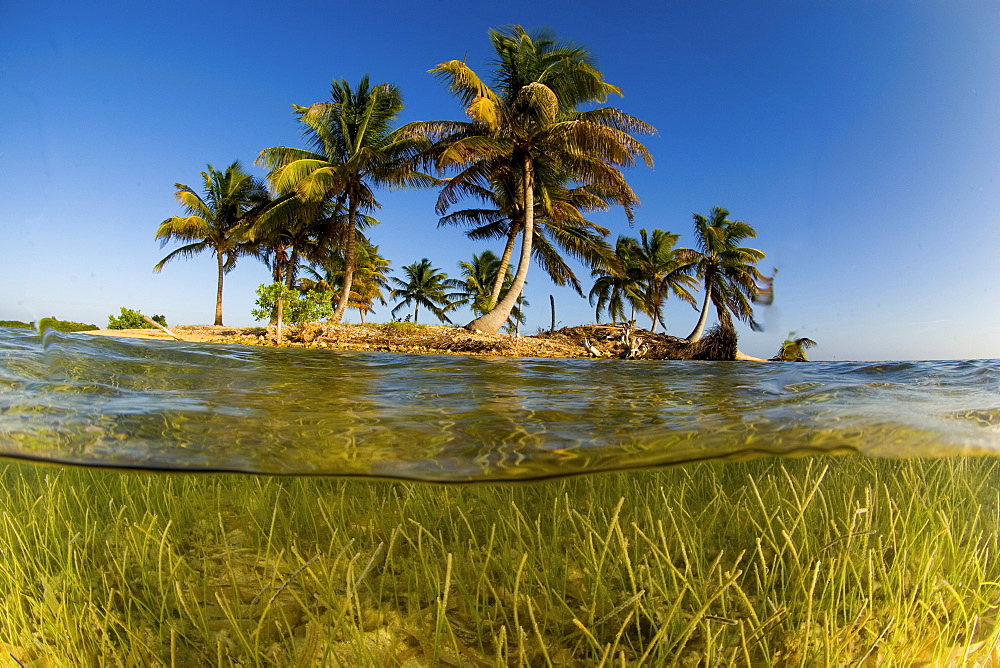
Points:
(174, 405)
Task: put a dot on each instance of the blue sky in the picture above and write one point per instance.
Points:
(860, 139)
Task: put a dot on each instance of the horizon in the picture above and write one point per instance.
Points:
(855, 138)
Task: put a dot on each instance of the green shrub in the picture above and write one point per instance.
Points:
(132, 319)
(298, 307)
(16, 323)
(63, 325)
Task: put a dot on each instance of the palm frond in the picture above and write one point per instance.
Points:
(189, 250)
(185, 228)
(464, 83)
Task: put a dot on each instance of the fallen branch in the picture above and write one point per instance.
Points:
(633, 344)
(161, 327)
(594, 352)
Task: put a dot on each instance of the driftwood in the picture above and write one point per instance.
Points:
(624, 341)
(633, 344)
(161, 327)
(594, 352)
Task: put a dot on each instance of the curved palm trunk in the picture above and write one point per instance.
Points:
(345, 294)
(658, 309)
(492, 322)
(652, 308)
(502, 269)
(699, 329)
(218, 293)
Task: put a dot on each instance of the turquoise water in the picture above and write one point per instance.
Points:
(129, 403)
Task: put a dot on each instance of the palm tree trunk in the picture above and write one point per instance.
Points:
(520, 304)
(502, 270)
(656, 313)
(292, 261)
(280, 261)
(416, 311)
(699, 329)
(279, 309)
(218, 294)
(338, 313)
(278, 273)
(492, 322)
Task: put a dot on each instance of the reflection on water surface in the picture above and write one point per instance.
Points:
(172, 405)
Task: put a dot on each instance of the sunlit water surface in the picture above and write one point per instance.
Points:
(131, 403)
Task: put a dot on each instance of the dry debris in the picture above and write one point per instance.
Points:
(621, 341)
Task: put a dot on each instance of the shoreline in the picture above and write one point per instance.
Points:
(582, 342)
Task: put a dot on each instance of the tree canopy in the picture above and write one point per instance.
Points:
(538, 154)
(353, 150)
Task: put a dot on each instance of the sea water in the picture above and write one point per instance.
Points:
(667, 524)
(113, 402)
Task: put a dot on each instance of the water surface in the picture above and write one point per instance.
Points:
(131, 403)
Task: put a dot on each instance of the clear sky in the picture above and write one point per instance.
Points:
(860, 139)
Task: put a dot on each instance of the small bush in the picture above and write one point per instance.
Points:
(298, 308)
(63, 325)
(132, 319)
(16, 323)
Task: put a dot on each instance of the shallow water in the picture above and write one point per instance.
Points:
(170, 405)
(816, 561)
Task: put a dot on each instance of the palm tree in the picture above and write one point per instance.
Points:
(229, 200)
(476, 288)
(560, 228)
(644, 274)
(425, 285)
(664, 270)
(728, 270)
(618, 283)
(528, 132)
(327, 273)
(370, 280)
(352, 150)
(288, 231)
(479, 275)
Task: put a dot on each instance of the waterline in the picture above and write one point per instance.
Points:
(181, 406)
